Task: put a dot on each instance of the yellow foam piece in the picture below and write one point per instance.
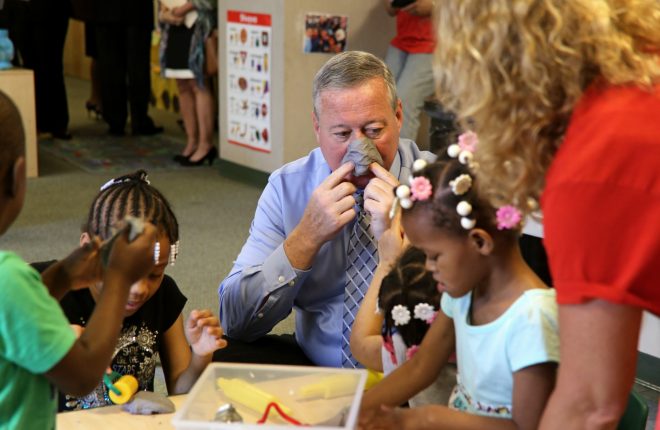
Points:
(128, 386)
(241, 391)
(329, 387)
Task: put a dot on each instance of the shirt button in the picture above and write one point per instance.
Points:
(260, 315)
(291, 283)
(280, 279)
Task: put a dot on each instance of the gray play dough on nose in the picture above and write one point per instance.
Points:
(362, 152)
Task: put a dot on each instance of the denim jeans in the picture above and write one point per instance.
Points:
(414, 81)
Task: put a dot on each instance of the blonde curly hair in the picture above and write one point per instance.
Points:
(512, 70)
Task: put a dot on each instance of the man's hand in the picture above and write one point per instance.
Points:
(378, 198)
(420, 8)
(329, 209)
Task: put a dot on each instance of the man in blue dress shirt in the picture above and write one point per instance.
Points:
(295, 256)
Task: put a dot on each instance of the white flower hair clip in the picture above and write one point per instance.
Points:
(461, 184)
(424, 312)
(400, 315)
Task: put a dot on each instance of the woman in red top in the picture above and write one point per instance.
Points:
(565, 97)
(410, 58)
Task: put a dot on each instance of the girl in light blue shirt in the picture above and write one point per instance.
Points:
(496, 312)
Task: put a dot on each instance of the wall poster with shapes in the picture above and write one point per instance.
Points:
(249, 79)
(325, 33)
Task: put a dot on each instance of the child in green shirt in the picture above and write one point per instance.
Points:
(39, 352)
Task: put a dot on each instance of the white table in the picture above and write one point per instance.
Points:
(112, 417)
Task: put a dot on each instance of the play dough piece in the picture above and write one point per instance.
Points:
(362, 152)
(148, 403)
(241, 391)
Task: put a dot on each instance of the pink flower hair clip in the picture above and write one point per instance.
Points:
(464, 149)
(508, 217)
(420, 189)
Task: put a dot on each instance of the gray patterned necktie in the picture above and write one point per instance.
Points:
(362, 262)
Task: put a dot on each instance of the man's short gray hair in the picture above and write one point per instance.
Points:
(350, 69)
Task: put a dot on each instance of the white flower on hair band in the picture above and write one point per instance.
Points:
(424, 312)
(400, 315)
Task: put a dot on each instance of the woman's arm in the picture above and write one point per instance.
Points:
(185, 359)
(598, 361)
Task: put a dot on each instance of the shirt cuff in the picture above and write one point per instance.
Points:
(278, 271)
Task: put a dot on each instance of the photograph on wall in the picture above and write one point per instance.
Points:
(248, 79)
(325, 33)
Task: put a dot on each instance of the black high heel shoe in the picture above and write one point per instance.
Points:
(210, 156)
(93, 110)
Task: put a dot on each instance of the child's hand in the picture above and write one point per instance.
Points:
(134, 260)
(392, 242)
(204, 333)
(384, 418)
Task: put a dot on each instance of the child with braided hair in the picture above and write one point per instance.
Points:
(153, 324)
(405, 302)
(495, 311)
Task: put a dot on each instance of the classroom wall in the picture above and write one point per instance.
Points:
(369, 29)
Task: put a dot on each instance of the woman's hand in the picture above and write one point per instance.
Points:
(167, 16)
(420, 8)
(204, 333)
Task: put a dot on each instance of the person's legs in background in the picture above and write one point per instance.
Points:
(187, 108)
(138, 48)
(39, 42)
(395, 60)
(94, 105)
(110, 40)
(414, 85)
(205, 116)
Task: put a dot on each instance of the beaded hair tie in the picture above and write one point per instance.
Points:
(142, 176)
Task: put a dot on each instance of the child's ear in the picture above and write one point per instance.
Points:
(85, 238)
(481, 240)
(18, 178)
